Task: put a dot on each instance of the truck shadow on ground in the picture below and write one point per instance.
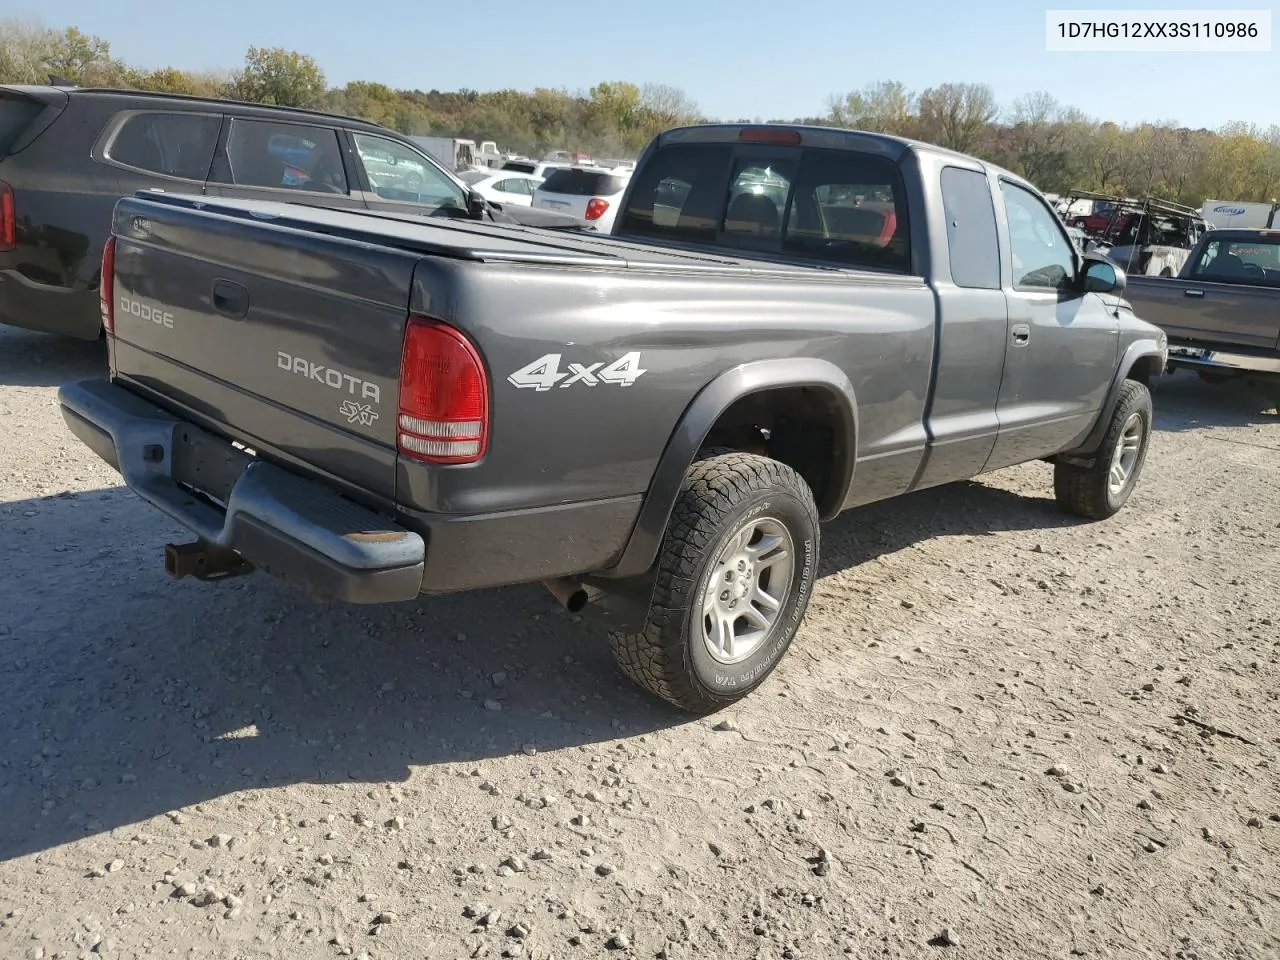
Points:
(30, 359)
(128, 695)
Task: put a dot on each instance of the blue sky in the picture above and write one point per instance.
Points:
(744, 58)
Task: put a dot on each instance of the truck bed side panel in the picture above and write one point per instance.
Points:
(1219, 314)
(583, 438)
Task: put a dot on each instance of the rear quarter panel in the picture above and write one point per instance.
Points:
(580, 441)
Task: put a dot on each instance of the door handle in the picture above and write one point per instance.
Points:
(230, 299)
(1193, 293)
(1021, 335)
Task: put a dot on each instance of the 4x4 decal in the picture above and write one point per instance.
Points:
(545, 373)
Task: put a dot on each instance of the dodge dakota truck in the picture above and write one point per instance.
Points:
(652, 423)
(1222, 312)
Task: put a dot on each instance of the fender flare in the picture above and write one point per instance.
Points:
(695, 424)
(1139, 350)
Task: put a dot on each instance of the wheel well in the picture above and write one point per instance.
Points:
(1143, 369)
(799, 426)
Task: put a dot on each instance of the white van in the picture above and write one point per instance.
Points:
(1220, 214)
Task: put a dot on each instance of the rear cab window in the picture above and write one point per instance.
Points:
(582, 183)
(840, 207)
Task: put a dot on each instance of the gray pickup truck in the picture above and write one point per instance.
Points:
(1222, 312)
(787, 322)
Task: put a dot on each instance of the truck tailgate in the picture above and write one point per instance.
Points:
(286, 340)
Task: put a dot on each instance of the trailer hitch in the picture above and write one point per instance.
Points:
(203, 561)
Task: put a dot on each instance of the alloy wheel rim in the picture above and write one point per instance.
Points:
(746, 588)
(1125, 456)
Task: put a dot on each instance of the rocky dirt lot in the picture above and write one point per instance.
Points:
(1001, 732)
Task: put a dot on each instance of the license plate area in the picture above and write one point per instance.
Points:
(207, 464)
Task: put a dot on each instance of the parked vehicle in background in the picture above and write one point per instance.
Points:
(67, 155)
(1228, 213)
(502, 186)
(534, 168)
(590, 193)
(1143, 235)
(655, 420)
(490, 155)
(1156, 238)
(453, 153)
(1222, 312)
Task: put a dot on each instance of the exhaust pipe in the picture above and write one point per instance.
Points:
(570, 594)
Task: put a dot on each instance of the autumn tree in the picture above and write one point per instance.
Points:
(883, 107)
(957, 115)
(280, 77)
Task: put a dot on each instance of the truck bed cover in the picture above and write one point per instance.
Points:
(493, 242)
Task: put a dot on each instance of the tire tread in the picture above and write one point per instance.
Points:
(656, 658)
(1083, 490)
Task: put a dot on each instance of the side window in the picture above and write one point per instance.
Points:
(1042, 256)
(397, 173)
(849, 208)
(1240, 261)
(285, 156)
(1207, 257)
(971, 229)
(171, 144)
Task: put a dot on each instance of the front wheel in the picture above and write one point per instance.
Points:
(1100, 490)
(733, 581)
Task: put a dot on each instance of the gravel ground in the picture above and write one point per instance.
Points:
(1001, 732)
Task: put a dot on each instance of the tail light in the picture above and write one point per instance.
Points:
(107, 286)
(444, 396)
(8, 218)
(596, 208)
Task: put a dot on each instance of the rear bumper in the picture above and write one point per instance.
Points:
(283, 523)
(1254, 363)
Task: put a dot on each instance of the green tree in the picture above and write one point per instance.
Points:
(882, 107)
(83, 59)
(281, 77)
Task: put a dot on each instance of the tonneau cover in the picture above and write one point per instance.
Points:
(483, 241)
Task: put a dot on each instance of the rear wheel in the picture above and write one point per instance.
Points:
(1100, 490)
(733, 581)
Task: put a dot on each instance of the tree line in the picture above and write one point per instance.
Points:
(1053, 145)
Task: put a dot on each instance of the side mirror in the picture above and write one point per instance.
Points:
(476, 205)
(1102, 276)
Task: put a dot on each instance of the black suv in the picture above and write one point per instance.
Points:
(68, 154)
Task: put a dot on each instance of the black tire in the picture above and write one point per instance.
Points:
(1087, 491)
(722, 494)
